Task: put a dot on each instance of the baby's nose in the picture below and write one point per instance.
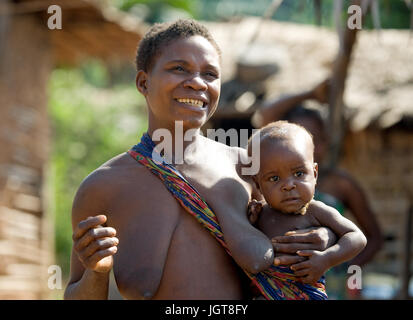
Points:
(288, 185)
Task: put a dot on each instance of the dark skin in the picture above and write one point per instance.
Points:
(124, 218)
(335, 182)
(287, 180)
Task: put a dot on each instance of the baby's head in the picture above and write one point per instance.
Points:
(313, 122)
(288, 174)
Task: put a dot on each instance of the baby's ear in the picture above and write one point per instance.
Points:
(315, 170)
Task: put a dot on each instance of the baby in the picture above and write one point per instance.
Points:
(287, 180)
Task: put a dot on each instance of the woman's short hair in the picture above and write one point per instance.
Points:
(161, 34)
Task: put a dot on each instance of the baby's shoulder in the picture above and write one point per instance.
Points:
(318, 208)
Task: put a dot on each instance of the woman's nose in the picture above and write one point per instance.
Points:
(196, 82)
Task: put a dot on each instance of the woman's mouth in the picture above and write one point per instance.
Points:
(192, 102)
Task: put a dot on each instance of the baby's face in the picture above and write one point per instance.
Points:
(288, 174)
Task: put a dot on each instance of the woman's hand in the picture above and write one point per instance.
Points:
(286, 247)
(311, 269)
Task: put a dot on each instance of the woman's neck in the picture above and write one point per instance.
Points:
(174, 143)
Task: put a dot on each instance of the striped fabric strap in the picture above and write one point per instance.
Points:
(275, 283)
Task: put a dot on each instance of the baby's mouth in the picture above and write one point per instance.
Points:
(291, 199)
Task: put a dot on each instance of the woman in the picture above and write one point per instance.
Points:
(139, 221)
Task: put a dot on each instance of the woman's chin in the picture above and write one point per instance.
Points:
(193, 122)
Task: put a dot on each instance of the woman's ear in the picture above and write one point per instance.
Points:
(141, 82)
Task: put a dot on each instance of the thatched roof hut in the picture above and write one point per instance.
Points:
(29, 51)
(378, 147)
(379, 87)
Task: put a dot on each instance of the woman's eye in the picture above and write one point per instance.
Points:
(211, 74)
(274, 179)
(179, 68)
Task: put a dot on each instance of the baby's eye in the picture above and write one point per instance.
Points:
(299, 174)
(274, 178)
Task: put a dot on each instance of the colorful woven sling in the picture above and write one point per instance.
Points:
(275, 283)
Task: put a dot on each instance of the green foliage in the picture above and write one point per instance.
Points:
(159, 10)
(393, 13)
(187, 5)
(91, 124)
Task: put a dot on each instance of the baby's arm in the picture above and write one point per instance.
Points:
(351, 242)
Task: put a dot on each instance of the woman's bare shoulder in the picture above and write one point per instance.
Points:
(109, 178)
(113, 167)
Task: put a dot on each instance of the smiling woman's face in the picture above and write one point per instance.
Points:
(183, 83)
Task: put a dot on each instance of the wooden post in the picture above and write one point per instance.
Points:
(318, 12)
(407, 252)
(24, 142)
(407, 240)
(338, 79)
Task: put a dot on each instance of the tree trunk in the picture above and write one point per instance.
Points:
(338, 80)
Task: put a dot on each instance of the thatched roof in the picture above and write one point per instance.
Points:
(89, 29)
(379, 87)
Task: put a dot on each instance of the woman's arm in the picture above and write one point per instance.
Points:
(93, 249)
(90, 286)
(250, 248)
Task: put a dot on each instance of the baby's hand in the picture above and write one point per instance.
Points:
(311, 269)
(254, 210)
(95, 244)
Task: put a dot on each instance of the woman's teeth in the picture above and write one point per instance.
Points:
(192, 102)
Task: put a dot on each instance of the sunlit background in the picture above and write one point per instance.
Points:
(69, 103)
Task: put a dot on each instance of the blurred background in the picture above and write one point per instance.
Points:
(69, 103)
